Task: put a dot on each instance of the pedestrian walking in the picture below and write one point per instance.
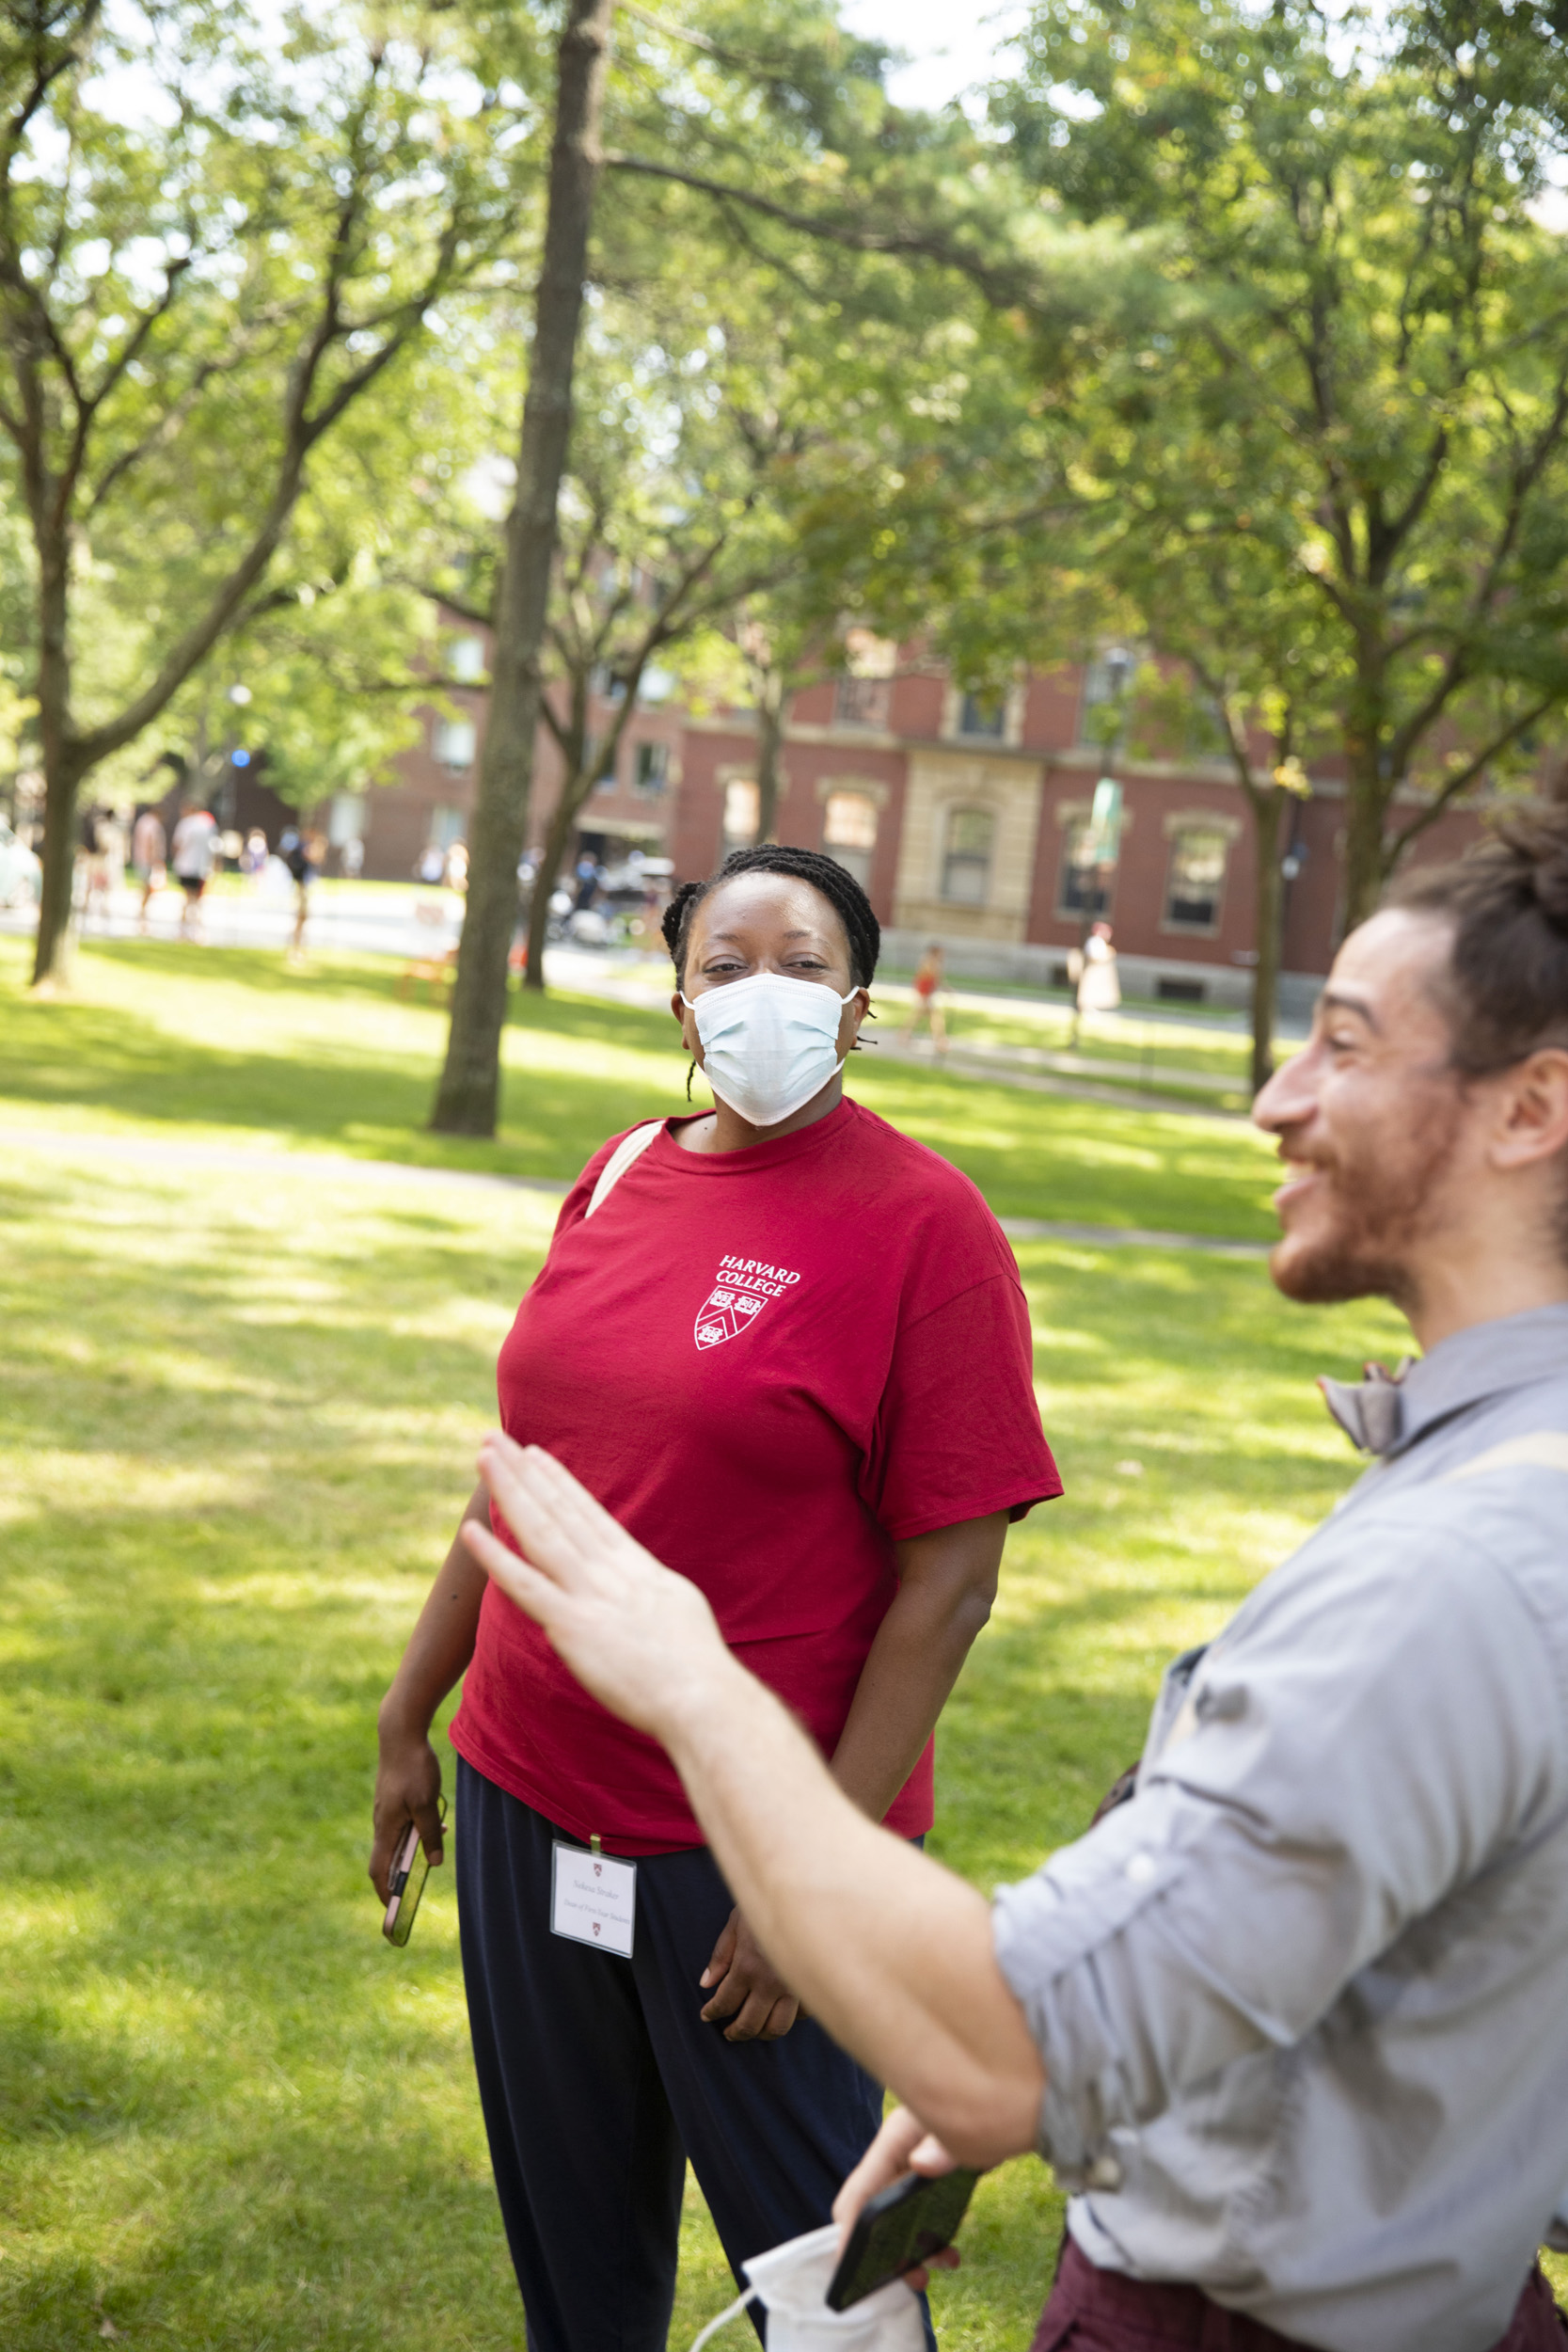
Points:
(149, 850)
(192, 854)
(1093, 970)
(787, 1346)
(929, 979)
(303, 853)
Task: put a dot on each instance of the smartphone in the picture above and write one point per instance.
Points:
(897, 2229)
(405, 1883)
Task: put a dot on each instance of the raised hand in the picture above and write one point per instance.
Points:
(642, 1639)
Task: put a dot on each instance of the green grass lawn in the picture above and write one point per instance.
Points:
(158, 1038)
(236, 1425)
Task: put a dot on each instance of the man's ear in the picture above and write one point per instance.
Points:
(1533, 1122)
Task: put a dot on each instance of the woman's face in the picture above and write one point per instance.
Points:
(768, 923)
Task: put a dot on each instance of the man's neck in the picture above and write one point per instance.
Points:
(1453, 1293)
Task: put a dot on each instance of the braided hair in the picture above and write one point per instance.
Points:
(825, 874)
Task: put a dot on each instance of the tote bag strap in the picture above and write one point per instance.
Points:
(625, 1154)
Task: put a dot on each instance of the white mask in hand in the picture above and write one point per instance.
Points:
(769, 1043)
(792, 2282)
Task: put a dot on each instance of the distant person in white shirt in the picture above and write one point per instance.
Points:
(191, 856)
(1093, 970)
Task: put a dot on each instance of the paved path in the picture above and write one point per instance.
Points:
(236, 1159)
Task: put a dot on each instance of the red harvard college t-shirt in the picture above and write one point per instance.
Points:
(770, 1365)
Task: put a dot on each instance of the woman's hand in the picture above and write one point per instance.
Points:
(748, 1991)
(407, 1789)
(903, 2145)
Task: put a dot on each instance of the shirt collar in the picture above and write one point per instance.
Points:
(1387, 1411)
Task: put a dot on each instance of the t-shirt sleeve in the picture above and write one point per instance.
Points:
(958, 1432)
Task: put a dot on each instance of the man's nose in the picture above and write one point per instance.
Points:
(1289, 1096)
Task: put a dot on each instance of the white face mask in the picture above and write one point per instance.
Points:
(792, 2282)
(769, 1043)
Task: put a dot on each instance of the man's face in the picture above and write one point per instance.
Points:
(1370, 1120)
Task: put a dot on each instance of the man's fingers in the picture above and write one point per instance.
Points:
(554, 1517)
(780, 2018)
(885, 2161)
(929, 2156)
(427, 1821)
(532, 1588)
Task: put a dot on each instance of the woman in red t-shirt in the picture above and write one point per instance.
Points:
(787, 1348)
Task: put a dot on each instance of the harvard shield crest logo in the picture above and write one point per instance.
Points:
(724, 1313)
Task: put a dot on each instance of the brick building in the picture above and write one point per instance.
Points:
(967, 823)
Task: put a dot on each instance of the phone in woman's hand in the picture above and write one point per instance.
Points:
(405, 1883)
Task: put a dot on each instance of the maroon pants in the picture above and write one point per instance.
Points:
(1102, 2310)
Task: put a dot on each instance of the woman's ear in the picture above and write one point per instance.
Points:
(856, 1011)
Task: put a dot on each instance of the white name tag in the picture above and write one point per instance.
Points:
(592, 1898)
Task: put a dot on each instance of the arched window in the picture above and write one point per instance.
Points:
(1083, 886)
(456, 741)
(1195, 878)
(742, 808)
(849, 833)
(966, 856)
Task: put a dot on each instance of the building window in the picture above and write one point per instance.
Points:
(862, 702)
(446, 827)
(741, 810)
(1106, 679)
(465, 660)
(456, 742)
(977, 716)
(1195, 878)
(966, 858)
(653, 767)
(347, 819)
(849, 833)
(1083, 887)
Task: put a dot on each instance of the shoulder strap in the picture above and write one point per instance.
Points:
(625, 1154)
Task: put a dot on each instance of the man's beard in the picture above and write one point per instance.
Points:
(1381, 1202)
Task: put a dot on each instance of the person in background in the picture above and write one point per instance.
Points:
(1098, 986)
(191, 856)
(789, 1345)
(457, 867)
(587, 876)
(304, 854)
(1292, 2021)
(253, 857)
(351, 858)
(148, 849)
(928, 983)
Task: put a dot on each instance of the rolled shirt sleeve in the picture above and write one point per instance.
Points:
(1380, 1721)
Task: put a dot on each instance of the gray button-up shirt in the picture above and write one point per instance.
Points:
(1303, 2002)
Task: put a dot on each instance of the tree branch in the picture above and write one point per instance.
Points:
(1007, 293)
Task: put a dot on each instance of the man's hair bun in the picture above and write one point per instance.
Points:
(1508, 902)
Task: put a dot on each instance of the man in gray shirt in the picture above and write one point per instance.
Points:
(1293, 2020)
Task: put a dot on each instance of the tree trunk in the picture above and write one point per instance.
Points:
(467, 1099)
(567, 810)
(1367, 796)
(770, 701)
(63, 768)
(62, 781)
(1270, 903)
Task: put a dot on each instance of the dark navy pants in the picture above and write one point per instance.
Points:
(598, 2078)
